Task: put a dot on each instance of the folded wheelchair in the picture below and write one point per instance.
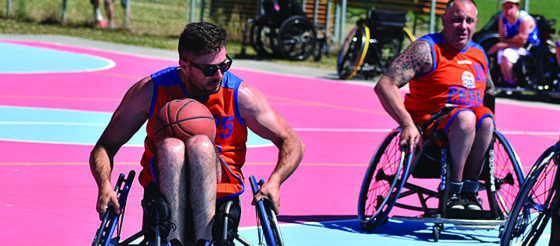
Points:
(156, 222)
(536, 203)
(371, 46)
(396, 176)
(283, 31)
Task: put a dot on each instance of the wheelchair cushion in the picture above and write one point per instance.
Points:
(228, 215)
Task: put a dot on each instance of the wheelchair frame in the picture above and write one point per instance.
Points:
(110, 221)
(292, 37)
(388, 174)
(372, 45)
(536, 203)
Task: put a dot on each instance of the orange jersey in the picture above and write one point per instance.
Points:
(457, 79)
(231, 131)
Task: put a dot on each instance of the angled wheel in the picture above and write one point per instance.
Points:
(353, 52)
(297, 38)
(104, 235)
(382, 182)
(531, 211)
(264, 37)
(267, 218)
(508, 175)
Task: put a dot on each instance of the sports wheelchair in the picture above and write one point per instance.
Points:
(393, 180)
(536, 72)
(373, 44)
(536, 203)
(157, 225)
(282, 31)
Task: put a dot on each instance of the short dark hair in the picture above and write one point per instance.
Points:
(202, 38)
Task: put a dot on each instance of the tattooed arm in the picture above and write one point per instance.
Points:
(416, 59)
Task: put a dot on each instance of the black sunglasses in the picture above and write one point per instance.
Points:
(210, 70)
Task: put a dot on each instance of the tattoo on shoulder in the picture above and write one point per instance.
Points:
(415, 59)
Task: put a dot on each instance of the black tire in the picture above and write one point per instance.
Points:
(382, 183)
(353, 52)
(264, 38)
(531, 210)
(274, 225)
(507, 179)
(297, 38)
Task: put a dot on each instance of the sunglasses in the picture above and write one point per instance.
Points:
(210, 70)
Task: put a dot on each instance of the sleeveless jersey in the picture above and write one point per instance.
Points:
(231, 131)
(457, 79)
(510, 30)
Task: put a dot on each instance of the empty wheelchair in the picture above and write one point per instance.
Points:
(283, 31)
(157, 225)
(394, 178)
(373, 44)
(536, 203)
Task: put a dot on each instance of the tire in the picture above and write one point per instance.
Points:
(264, 38)
(297, 38)
(531, 211)
(507, 176)
(353, 52)
(382, 183)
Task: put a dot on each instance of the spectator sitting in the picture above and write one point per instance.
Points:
(517, 28)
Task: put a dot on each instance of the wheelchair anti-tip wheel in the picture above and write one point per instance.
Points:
(533, 205)
(353, 52)
(297, 38)
(382, 182)
(267, 218)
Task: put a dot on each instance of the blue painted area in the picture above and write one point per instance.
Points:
(68, 127)
(349, 232)
(25, 59)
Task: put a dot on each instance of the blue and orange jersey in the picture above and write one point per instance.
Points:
(231, 131)
(457, 78)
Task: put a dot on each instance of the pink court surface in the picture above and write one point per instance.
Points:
(56, 99)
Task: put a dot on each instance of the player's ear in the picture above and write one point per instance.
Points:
(184, 65)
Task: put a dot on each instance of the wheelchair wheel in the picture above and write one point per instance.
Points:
(267, 218)
(353, 52)
(537, 198)
(264, 38)
(508, 175)
(297, 38)
(382, 182)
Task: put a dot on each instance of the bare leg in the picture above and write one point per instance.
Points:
(507, 70)
(204, 174)
(172, 181)
(461, 135)
(475, 161)
(110, 12)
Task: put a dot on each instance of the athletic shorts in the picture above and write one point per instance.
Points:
(443, 124)
(512, 54)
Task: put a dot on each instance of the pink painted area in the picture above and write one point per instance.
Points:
(49, 196)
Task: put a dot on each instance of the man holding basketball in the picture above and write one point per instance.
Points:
(197, 173)
(447, 71)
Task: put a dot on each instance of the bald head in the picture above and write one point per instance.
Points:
(459, 23)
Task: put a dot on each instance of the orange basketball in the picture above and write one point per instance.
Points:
(182, 119)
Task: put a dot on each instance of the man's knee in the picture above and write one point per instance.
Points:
(465, 121)
(171, 151)
(200, 144)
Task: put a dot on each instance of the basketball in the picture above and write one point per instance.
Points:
(182, 119)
